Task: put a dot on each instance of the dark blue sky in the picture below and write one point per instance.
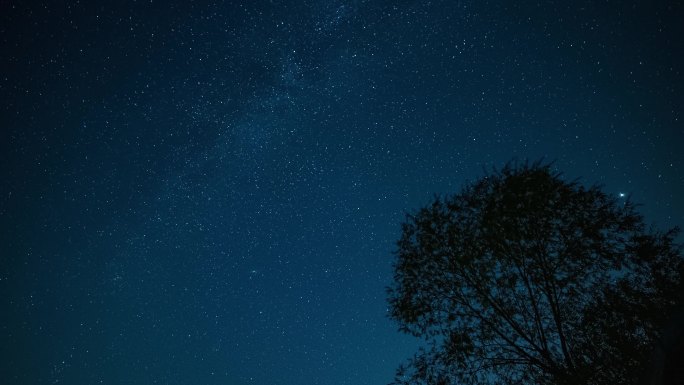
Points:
(209, 193)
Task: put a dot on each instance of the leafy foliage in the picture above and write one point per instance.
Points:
(525, 278)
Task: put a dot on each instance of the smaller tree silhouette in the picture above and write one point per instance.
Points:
(524, 278)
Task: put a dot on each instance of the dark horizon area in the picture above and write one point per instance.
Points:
(211, 192)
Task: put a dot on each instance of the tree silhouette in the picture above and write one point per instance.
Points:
(524, 278)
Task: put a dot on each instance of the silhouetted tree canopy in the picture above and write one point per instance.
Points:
(524, 278)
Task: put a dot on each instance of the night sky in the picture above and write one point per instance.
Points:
(210, 193)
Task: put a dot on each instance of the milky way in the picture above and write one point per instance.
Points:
(210, 193)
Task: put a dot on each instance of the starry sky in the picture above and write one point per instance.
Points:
(210, 192)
